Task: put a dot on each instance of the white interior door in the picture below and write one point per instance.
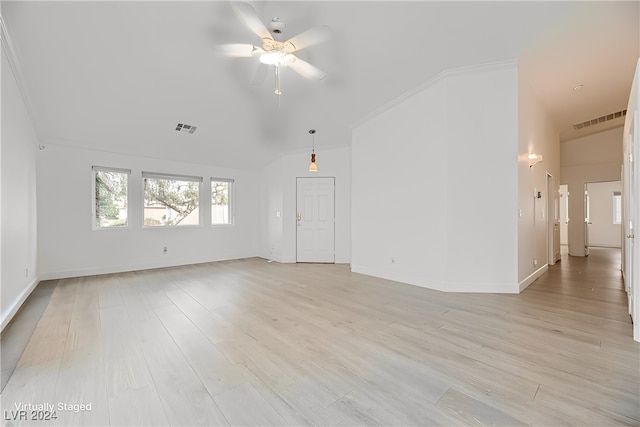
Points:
(315, 220)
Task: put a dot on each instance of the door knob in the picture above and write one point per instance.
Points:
(299, 216)
(631, 236)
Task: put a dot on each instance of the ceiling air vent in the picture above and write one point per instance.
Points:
(185, 128)
(600, 119)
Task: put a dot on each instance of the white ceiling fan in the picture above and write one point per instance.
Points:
(275, 52)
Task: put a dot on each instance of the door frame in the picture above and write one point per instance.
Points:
(631, 214)
(586, 220)
(553, 213)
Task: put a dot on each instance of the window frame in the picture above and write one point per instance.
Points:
(171, 177)
(231, 198)
(94, 170)
(617, 207)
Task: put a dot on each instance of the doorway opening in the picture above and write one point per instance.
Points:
(603, 215)
(564, 219)
(553, 221)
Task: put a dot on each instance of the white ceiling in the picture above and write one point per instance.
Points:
(119, 76)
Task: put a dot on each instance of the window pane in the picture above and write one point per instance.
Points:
(111, 203)
(170, 202)
(220, 202)
(617, 208)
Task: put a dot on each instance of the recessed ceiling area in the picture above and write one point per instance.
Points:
(118, 76)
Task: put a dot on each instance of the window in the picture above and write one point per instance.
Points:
(617, 207)
(110, 197)
(171, 200)
(221, 199)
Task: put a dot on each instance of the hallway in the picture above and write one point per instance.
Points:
(587, 286)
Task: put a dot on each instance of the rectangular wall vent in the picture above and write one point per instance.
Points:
(181, 127)
(600, 119)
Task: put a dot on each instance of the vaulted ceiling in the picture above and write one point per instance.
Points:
(119, 76)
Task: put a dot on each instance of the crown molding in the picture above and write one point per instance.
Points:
(451, 72)
(12, 59)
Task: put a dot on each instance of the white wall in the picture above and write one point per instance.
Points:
(18, 264)
(536, 134)
(593, 158)
(278, 194)
(444, 159)
(68, 246)
(271, 211)
(602, 231)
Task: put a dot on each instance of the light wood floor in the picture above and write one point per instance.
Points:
(254, 343)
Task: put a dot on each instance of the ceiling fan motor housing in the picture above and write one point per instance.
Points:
(276, 26)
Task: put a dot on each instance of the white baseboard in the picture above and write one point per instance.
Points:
(398, 277)
(438, 285)
(532, 277)
(93, 271)
(15, 306)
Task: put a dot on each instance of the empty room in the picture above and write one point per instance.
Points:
(319, 213)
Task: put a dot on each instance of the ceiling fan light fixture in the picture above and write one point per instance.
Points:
(275, 52)
(272, 58)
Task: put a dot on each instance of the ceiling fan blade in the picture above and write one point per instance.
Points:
(239, 50)
(304, 68)
(260, 74)
(250, 17)
(310, 37)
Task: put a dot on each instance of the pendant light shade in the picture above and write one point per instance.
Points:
(312, 166)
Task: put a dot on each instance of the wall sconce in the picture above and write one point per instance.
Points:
(312, 166)
(534, 158)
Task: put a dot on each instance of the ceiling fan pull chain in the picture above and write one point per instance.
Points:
(277, 91)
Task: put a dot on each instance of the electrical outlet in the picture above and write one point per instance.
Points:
(164, 250)
(535, 262)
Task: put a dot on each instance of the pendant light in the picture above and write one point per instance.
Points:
(312, 166)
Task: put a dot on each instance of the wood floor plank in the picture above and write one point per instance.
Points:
(81, 380)
(246, 342)
(131, 392)
(244, 406)
(184, 398)
(473, 412)
(216, 373)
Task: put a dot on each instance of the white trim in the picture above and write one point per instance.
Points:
(492, 66)
(110, 169)
(532, 277)
(123, 268)
(171, 177)
(408, 279)
(19, 301)
(439, 285)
